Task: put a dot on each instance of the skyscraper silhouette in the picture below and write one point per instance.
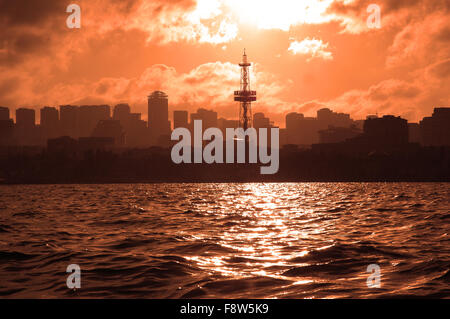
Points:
(158, 115)
(435, 130)
(50, 122)
(68, 115)
(4, 113)
(180, 119)
(6, 127)
(26, 126)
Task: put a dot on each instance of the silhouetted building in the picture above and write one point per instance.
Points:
(359, 124)
(158, 115)
(338, 134)
(80, 121)
(110, 129)
(68, 115)
(260, 121)
(180, 119)
(122, 113)
(381, 135)
(327, 118)
(136, 132)
(26, 132)
(50, 122)
(6, 127)
(414, 133)
(7, 132)
(387, 130)
(89, 116)
(4, 113)
(25, 117)
(435, 130)
(208, 118)
(302, 130)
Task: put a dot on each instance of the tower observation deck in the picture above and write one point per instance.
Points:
(245, 95)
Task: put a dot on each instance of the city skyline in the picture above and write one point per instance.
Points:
(101, 121)
(313, 112)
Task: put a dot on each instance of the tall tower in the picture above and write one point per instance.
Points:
(245, 96)
(158, 114)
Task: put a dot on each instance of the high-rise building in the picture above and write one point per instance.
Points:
(4, 113)
(49, 116)
(26, 132)
(49, 122)
(301, 130)
(68, 115)
(158, 115)
(110, 129)
(327, 118)
(387, 130)
(260, 121)
(122, 113)
(25, 117)
(414, 133)
(7, 132)
(435, 130)
(180, 119)
(135, 130)
(89, 116)
(208, 118)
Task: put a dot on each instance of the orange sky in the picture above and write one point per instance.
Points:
(307, 54)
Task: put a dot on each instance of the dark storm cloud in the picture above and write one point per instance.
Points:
(28, 27)
(30, 12)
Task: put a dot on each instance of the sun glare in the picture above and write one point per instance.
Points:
(279, 14)
(217, 21)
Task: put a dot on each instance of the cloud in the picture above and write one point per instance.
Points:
(313, 47)
(421, 42)
(352, 14)
(209, 85)
(440, 70)
(165, 21)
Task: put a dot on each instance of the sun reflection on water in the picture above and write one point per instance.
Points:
(266, 233)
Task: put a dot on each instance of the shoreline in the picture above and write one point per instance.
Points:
(124, 182)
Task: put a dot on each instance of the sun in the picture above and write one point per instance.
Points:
(279, 14)
(219, 21)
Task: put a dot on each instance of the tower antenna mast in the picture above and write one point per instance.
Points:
(245, 96)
